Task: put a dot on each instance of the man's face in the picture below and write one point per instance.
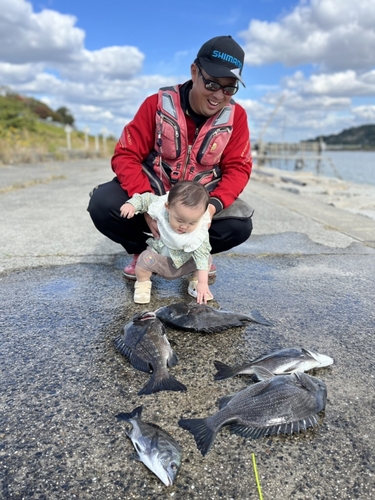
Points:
(203, 101)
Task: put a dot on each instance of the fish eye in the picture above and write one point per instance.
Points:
(173, 466)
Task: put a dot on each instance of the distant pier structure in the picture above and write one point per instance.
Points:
(300, 155)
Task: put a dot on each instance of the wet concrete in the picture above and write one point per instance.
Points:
(63, 382)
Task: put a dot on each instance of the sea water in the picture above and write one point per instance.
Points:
(353, 166)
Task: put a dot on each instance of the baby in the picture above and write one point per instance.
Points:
(183, 248)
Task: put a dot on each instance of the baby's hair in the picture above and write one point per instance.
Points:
(189, 193)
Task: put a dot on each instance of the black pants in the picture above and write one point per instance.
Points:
(104, 209)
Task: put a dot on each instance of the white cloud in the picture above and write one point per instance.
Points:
(18, 73)
(43, 54)
(334, 39)
(331, 34)
(342, 84)
(29, 37)
(110, 62)
(366, 113)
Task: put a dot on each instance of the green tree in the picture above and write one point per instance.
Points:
(66, 116)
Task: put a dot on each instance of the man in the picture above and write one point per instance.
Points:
(194, 131)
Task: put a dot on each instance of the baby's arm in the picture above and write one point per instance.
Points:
(203, 291)
(137, 204)
(127, 210)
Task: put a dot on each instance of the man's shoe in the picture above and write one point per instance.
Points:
(129, 271)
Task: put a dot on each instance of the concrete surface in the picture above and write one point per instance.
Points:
(308, 267)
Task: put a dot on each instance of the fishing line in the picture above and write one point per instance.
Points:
(256, 477)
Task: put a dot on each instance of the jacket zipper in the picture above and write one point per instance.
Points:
(190, 147)
(154, 180)
(176, 132)
(208, 138)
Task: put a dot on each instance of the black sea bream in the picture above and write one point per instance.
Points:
(278, 362)
(157, 449)
(144, 342)
(206, 319)
(280, 404)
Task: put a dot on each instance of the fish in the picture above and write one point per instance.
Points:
(278, 362)
(144, 342)
(278, 404)
(206, 319)
(155, 447)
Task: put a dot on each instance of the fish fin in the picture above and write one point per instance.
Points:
(203, 435)
(135, 456)
(136, 413)
(247, 432)
(137, 363)
(211, 329)
(169, 383)
(223, 371)
(255, 378)
(121, 346)
(173, 360)
(310, 354)
(262, 373)
(287, 428)
(224, 400)
(140, 364)
(256, 317)
(305, 381)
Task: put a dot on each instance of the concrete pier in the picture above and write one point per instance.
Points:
(309, 267)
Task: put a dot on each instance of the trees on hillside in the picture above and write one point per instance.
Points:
(18, 111)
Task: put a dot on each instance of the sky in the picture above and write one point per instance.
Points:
(309, 64)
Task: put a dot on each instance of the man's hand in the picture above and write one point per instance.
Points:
(152, 224)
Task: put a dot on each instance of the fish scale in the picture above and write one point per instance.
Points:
(281, 404)
(156, 448)
(144, 342)
(278, 362)
(206, 319)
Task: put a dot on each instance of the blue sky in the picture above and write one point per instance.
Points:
(313, 61)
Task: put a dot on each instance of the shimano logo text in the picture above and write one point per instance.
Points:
(227, 57)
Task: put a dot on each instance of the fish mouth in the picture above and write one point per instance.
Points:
(147, 315)
(144, 316)
(169, 481)
(164, 476)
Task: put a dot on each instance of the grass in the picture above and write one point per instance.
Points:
(45, 141)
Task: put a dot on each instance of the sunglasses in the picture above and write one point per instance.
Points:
(214, 86)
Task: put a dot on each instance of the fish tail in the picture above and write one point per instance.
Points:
(165, 383)
(203, 435)
(136, 413)
(224, 371)
(258, 318)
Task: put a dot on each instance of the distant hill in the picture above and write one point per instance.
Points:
(17, 111)
(30, 131)
(362, 137)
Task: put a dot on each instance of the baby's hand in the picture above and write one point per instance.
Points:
(127, 210)
(203, 294)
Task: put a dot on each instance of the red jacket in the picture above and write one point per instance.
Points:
(138, 140)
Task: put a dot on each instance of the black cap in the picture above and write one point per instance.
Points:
(222, 57)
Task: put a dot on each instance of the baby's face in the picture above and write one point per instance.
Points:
(183, 219)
